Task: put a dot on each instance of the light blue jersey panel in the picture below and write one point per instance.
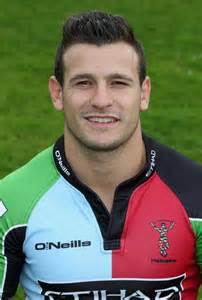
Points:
(63, 241)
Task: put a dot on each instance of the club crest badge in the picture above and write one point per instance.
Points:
(163, 227)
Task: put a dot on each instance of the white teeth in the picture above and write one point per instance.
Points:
(101, 120)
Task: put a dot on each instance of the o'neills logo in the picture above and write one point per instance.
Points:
(60, 162)
(60, 245)
(163, 227)
(152, 162)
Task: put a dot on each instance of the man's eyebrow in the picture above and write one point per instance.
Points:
(109, 76)
(120, 76)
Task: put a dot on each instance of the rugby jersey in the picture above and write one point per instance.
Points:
(59, 241)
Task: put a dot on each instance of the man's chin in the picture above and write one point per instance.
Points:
(102, 147)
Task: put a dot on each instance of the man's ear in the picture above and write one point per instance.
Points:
(145, 94)
(56, 93)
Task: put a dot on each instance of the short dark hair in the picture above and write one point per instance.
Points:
(97, 28)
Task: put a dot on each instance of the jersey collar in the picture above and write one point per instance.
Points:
(67, 172)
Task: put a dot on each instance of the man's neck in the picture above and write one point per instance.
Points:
(104, 171)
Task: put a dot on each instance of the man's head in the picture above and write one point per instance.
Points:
(97, 28)
(100, 82)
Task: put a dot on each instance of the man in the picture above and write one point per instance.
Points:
(106, 213)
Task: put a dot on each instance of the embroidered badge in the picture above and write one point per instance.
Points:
(163, 227)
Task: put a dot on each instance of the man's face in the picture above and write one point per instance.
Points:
(102, 96)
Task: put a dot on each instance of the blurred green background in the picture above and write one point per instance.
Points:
(29, 32)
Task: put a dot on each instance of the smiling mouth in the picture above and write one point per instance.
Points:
(102, 120)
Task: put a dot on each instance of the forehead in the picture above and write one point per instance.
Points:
(101, 60)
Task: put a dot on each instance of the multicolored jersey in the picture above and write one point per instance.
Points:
(59, 241)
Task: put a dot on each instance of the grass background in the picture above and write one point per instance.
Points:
(29, 31)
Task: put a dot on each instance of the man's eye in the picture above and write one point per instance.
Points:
(83, 83)
(119, 83)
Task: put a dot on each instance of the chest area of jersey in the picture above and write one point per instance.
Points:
(64, 235)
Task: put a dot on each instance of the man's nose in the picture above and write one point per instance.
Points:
(102, 96)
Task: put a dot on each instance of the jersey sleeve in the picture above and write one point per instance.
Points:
(11, 253)
(20, 191)
(197, 228)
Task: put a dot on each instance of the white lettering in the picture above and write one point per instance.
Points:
(76, 295)
(103, 295)
(153, 156)
(152, 163)
(138, 294)
(172, 290)
(96, 295)
(59, 158)
(57, 153)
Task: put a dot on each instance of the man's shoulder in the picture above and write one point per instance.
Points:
(182, 175)
(171, 160)
(39, 166)
(27, 184)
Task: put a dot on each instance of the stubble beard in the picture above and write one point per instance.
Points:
(94, 147)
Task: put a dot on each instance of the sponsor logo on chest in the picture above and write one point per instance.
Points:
(120, 289)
